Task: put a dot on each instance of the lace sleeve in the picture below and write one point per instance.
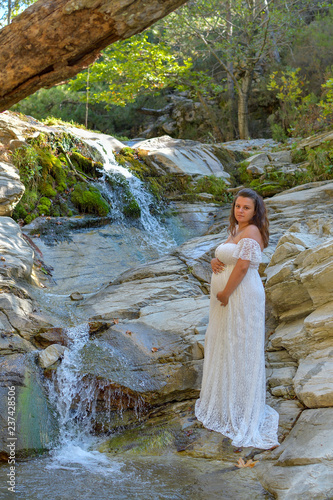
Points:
(248, 249)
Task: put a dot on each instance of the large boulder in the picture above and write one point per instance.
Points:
(176, 156)
(11, 188)
(16, 255)
(35, 423)
(302, 466)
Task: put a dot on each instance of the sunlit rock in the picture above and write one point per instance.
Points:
(51, 355)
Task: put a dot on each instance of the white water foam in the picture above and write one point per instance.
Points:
(154, 233)
(75, 402)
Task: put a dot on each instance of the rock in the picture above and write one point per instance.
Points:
(149, 284)
(50, 355)
(176, 156)
(11, 188)
(289, 411)
(314, 379)
(13, 343)
(257, 164)
(76, 296)
(35, 423)
(282, 377)
(280, 158)
(51, 336)
(112, 142)
(196, 217)
(280, 359)
(136, 365)
(315, 140)
(182, 315)
(14, 126)
(307, 482)
(18, 254)
(310, 441)
(251, 145)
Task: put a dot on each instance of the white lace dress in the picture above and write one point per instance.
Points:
(233, 393)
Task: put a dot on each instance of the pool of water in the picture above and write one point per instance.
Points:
(77, 474)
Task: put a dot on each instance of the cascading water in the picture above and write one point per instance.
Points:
(153, 231)
(75, 404)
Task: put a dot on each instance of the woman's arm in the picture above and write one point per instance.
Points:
(234, 280)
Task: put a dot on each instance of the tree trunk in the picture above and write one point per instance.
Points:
(211, 115)
(243, 100)
(53, 40)
(9, 11)
(230, 65)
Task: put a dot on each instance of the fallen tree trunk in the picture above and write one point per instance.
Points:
(53, 40)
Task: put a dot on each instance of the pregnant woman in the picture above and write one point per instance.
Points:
(233, 393)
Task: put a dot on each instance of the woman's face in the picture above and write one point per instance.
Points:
(244, 209)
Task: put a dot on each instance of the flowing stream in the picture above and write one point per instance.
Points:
(73, 469)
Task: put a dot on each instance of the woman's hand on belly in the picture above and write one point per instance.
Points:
(223, 298)
(217, 265)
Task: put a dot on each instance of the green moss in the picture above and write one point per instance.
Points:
(19, 212)
(152, 441)
(29, 218)
(47, 190)
(212, 185)
(88, 199)
(132, 209)
(130, 159)
(48, 161)
(116, 180)
(86, 165)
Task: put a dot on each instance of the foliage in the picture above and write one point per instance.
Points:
(312, 50)
(287, 86)
(130, 67)
(320, 160)
(26, 160)
(299, 114)
(327, 103)
(239, 36)
(11, 8)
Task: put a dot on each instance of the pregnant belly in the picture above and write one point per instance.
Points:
(251, 282)
(220, 280)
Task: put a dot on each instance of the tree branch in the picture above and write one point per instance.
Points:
(53, 40)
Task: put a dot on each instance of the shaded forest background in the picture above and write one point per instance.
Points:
(213, 71)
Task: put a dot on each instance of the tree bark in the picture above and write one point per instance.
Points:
(243, 100)
(210, 113)
(53, 40)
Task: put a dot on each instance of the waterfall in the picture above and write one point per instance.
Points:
(74, 401)
(77, 398)
(154, 233)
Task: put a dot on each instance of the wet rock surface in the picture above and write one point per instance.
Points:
(177, 156)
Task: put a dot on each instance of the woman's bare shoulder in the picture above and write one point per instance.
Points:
(252, 231)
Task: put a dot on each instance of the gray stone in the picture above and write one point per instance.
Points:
(307, 482)
(51, 355)
(17, 253)
(11, 188)
(310, 441)
(35, 423)
(177, 156)
(257, 163)
(314, 379)
(316, 140)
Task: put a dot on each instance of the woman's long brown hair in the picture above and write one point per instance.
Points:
(259, 218)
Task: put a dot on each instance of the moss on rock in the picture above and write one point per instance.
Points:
(132, 209)
(86, 165)
(88, 199)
